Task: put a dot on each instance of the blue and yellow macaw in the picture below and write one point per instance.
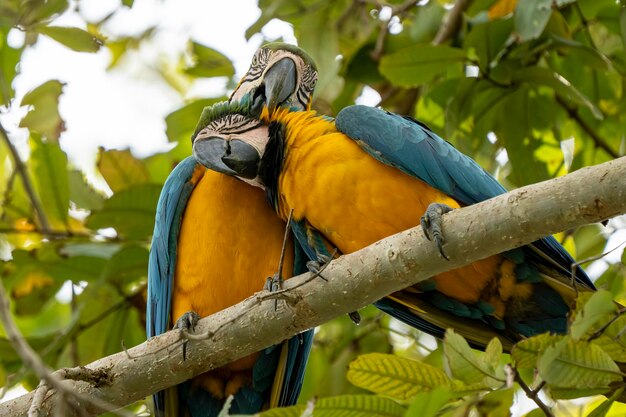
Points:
(370, 174)
(210, 251)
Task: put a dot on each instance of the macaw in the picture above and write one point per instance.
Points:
(210, 251)
(369, 174)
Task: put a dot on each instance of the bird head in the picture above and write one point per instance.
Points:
(280, 75)
(228, 139)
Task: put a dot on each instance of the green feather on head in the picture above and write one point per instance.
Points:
(220, 110)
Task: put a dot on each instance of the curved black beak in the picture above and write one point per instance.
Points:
(230, 157)
(279, 83)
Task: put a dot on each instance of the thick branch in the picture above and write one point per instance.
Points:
(511, 220)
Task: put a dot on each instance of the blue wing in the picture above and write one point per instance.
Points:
(412, 147)
(170, 208)
(162, 261)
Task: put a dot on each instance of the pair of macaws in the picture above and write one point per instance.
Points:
(348, 182)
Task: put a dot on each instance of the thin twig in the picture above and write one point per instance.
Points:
(284, 247)
(452, 23)
(74, 342)
(534, 395)
(608, 324)
(28, 186)
(398, 10)
(577, 264)
(597, 139)
(34, 362)
(38, 398)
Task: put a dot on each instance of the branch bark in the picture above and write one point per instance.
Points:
(588, 195)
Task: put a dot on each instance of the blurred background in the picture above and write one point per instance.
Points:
(98, 100)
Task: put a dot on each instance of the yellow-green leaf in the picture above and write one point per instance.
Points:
(208, 62)
(131, 211)
(526, 352)
(44, 115)
(121, 169)
(561, 86)
(464, 363)
(598, 308)
(74, 38)
(49, 168)
(428, 404)
(344, 406)
(417, 64)
(577, 365)
(393, 376)
(497, 403)
(182, 122)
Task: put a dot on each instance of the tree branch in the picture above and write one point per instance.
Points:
(28, 186)
(588, 195)
(597, 139)
(452, 23)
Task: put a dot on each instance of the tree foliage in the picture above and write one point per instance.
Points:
(530, 90)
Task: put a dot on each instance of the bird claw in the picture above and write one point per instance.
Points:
(355, 317)
(187, 322)
(274, 284)
(431, 225)
(317, 266)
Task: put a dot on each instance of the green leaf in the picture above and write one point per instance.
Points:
(9, 59)
(589, 241)
(526, 352)
(561, 86)
(415, 65)
(428, 404)
(121, 169)
(488, 39)
(537, 412)
(624, 257)
(599, 307)
(38, 12)
(83, 194)
(74, 38)
(131, 211)
(604, 407)
(344, 406)
(49, 167)
(463, 362)
(182, 123)
(393, 376)
(44, 117)
(208, 62)
(127, 265)
(497, 403)
(613, 339)
(531, 17)
(578, 366)
(128, 3)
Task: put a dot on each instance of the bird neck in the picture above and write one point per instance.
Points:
(288, 130)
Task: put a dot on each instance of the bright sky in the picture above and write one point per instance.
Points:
(127, 107)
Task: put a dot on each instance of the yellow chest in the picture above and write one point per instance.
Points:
(229, 243)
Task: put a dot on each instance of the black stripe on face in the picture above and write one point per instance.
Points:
(233, 124)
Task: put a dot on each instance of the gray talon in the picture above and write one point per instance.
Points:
(431, 224)
(187, 322)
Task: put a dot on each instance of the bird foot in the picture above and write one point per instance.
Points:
(431, 224)
(355, 317)
(187, 323)
(317, 266)
(273, 283)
